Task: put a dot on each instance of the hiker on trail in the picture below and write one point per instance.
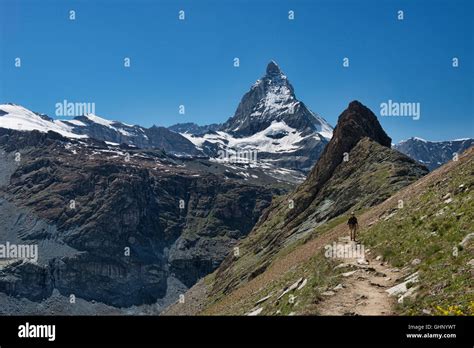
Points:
(353, 225)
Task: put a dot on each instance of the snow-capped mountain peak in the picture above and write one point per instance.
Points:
(272, 99)
(272, 121)
(278, 94)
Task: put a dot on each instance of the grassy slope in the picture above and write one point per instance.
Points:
(434, 220)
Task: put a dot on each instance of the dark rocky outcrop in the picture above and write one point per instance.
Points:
(193, 128)
(355, 123)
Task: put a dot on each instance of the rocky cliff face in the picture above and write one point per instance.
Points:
(138, 225)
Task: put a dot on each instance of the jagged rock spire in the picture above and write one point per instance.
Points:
(273, 68)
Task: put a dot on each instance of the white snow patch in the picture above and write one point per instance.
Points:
(99, 120)
(123, 132)
(258, 141)
(77, 123)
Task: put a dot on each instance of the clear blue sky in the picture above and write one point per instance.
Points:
(191, 62)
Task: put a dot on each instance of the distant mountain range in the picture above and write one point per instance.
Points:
(433, 154)
(92, 126)
(283, 135)
(269, 121)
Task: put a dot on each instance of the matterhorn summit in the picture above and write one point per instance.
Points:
(272, 99)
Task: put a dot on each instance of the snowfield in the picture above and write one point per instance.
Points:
(263, 141)
(19, 118)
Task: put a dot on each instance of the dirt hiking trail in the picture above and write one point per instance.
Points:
(363, 288)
